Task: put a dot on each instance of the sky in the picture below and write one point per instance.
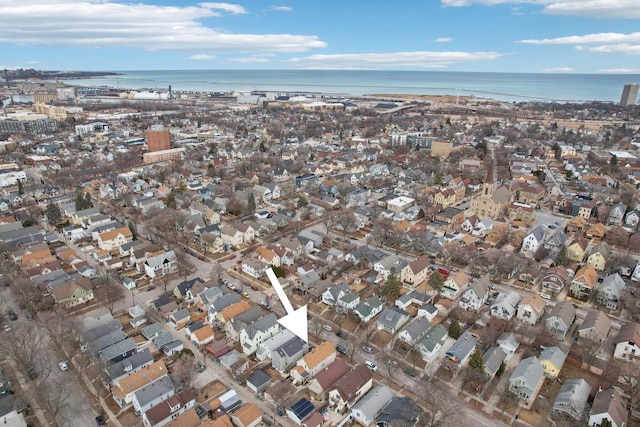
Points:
(528, 36)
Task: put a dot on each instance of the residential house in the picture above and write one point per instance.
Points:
(509, 343)
(595, 326)
(506, 305)
(241, 321)
(220, 304)
(628, 342)
(610, 292)
(370, 406)
(599, 255)
(483, 227)
(203, 336)
(118, 370)
(182, 290)
(326, 378)
(248, 415)
(533, 240)
(415, 272)
(454, 285)
(572, 398)
(577, 250)
(123, 391)
(392, 319)
(432, 341)
(368, 309)
(608, 404)
(462, 349)
(231, 311)
(75, 292)
(169, 409)
(552, 359)
(576, 225)
(152, 394)
(475, 297)
(555, 243)
(231, 236)
(314, 361)
(560, 319)
(285, 355)
(530, 309)
(583, 282)
(400, 411)
(257, 332)
(616, 214)
(334, 293)
(180, 317)
(492, 360)
(254, 268)
(350, 388)
(111, 240)
(554, 279)
(349, 301)
(595, 232)
(632, 218)
(527, 379)
(414, 331)
(161, 265)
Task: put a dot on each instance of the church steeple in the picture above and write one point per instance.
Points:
(489, 184)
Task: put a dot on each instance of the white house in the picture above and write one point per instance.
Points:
(475, 297)
(506, 305)
(533, 240)
(628, 342)
(530, 309)
(454, 285)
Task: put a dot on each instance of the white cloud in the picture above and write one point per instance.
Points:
(202, 57)
(404, 60)
(557, 70)
(624, 48)
(261, 58)
(281, 8)
(618, 9)
(105, 23)
(235, 9)
(444, 40)
(596, 38)
(620, 70)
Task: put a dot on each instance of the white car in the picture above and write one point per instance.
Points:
(372, 366)
(327, 328)
(63, 366)
(231, 286)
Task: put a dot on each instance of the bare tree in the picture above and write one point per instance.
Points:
(442, 408)
(24, 348)
(109, 292)
(34, 301)
(629, 379)
(183, 368)
(53, 396)
(317, 327)
(352, 347)
(216, 272)
(390, 364)
(58, 326)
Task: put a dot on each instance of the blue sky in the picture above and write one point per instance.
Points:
(570, 36)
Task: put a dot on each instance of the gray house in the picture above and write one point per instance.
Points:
(526, 380)
(127, 366)
(392, 319)
(595, 326)
(610, 291)
(433, 341)
(400, 411)
(560, 320)
(370, 406)
(118, 351)
(462, 349)
(414, 331)
(572, 398)
(152, 394)
(492, 359)
(286, 355)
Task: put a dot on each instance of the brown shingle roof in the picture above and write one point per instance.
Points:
(419, 264)
(348, 385)
(109, 235)
(332, 373)
(139, 379)
(234, 309)
(247, 414)
(589, 273)
(318, 354)
(629, 332)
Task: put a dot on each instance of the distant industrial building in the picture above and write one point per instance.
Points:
(158, 139)
(629, 94)
(163, 155)
(29, 124)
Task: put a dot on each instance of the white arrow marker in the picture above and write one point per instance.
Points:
(295, 320)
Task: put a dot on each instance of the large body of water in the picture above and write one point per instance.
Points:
(502, 86)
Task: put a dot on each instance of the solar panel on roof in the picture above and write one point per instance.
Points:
(303, 408)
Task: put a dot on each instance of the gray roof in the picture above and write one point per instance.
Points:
(241, 321)
(481, 287)
(538, 233)
(393, 317)
(181, 314)
(131, 363)
(224, 301)
(119, 348)
(436, 335)
(492, 359)
(259, 379)
(555, 355)
(565, 311)
(292, 347)
(417, 328)
(558, 239)
(573, 394)
(94, 328)
(613, 284)
(209, 295)
(401, 411)
(373, 402)
(261, 325)
(154, 390)
(530, 370)
(365, 308)
(152, 330)
(463, 346)
(107, 340)
(336, 290)
(598, 321)
(278, 340)
(509, 340)
(162, 339)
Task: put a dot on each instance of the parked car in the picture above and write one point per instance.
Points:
(63, 366)
(393, 362)
(410, 372)
(339, 334)
(231, 286)
(6, 327)
(367, 349)
(327, 328)
(12, 314)
(246, 295)
(342, 349)
(545, 296)
(372, 366)
(265, 305)
(201, 367)
(100, 420)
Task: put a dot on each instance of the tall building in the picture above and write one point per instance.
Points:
(629, 94)
(158, 139)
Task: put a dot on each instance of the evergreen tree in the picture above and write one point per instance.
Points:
(391, 288)
(501, 369)
(251, 203)
(88, 203)
(436, 281)
(562, 256)
(80, 203)
(606, 423)
(476, 361)
(53, 214)
(302, 202)
(454, 329)
(20, 188)
(171, 201)
(134, 231)
(614, 160)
